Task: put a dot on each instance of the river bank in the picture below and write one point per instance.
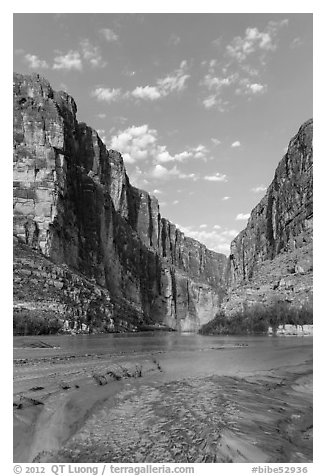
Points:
(163, 399)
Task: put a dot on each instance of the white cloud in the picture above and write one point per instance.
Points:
(257, 88)
(191, 176)
(214, 100)
(296, 42)
(230, 233)
(216, 83)
(239, 71)
(242, 216)
(226, 198)
(140, 142)
(71, 60)
(236, 144)
(109, 34)
(157, 191)
(204, 225)
(135, 143)
(200, 151)
(161, 172)
(175, 202)
(34, 62)
(163, 155)
(246, 88)
(101, 115)
(215, 239)
(92, 54)
(174, 82)
(106, 94)
(182, 156)
(255, 41)
(215, 141)
(146, 92)
(216, 177)
(259, 188)
(210, 101)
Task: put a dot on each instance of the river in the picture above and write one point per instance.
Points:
(162, 397)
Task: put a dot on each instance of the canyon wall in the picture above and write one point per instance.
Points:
(271, 259)
(77, 219)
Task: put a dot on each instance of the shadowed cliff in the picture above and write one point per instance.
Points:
(78, 219)
(271, 260)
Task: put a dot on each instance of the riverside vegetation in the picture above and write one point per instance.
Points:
(257, 319)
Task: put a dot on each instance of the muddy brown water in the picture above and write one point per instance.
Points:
(197, 398)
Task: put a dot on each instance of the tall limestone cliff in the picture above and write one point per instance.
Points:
(91, 249)
(271, 259)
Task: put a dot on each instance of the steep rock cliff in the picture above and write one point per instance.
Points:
(271, 259)
(74, 205)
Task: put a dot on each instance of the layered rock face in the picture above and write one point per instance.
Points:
(272, 257)
(75, 208)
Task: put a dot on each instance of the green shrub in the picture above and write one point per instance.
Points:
(28, 322)
(256, 319)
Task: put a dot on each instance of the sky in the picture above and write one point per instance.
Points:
(202, 106)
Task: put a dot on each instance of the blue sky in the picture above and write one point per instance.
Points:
(201, 106)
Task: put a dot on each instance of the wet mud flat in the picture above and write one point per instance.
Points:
(219, 403)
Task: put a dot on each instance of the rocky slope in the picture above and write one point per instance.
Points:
(88, 245)
(271, 259)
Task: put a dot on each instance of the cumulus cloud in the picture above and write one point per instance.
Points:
(69, 61)
(214, 239)
(242, 216)
(229, 233)
(215, 141)
(161, 172)
(109, 34)
(135, 143)
(92, 54)
(296, 43)
(173, 82)
(156, 191)
(34, 62)
(106, 94)
(225, 198)
(246, 87)
(236, 144)
(255, 41)
(141, 142)
(216, 177)
(240, 69)
(199, 152)
(256, 88)
(214, 101)
(258, 189)
(183, 156)
(146, 92)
